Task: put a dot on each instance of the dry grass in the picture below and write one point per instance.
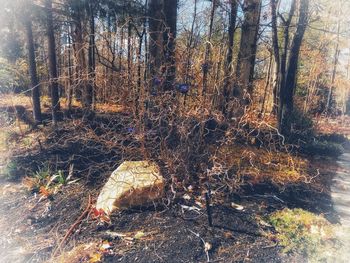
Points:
(253, 165)
(15, 99)
(340, 125)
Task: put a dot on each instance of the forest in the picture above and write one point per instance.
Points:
(174, 131)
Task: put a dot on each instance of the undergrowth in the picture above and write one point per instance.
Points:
(46, 181)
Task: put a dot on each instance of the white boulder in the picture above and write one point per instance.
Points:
(133, 183)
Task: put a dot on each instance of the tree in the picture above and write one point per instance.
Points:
(155, 37)
(247, 50)
(169, 36)
(276, 52)
(88, 98)
(51, 45)
(288, 88)
(83, 89)
(229, 56)
(205, 66)
(32, 67)
(162, 32)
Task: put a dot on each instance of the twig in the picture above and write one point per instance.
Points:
(204, 244)
(70, 230)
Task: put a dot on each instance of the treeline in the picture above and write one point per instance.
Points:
(229, 57)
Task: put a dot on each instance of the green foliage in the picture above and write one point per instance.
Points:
(45, 181)
(300, 231)
(326, 148)
(13, 77)
(11, 170)
(302, 124)
(10, 46)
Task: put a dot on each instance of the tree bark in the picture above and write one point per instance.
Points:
(162, 32)
(288, 89)
(169, 36)
(155, 37)
(276, 54)
(89, 93)
(248, 47)
(32, 70)
(334, 71)
(55, 104)
(229, 56)
(205, 66)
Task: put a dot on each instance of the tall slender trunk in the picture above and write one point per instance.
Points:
(155, 37)
(32, 70)
(291, 79)
(129, 52)
(276, 54)
(89, 93)
(205, 66)
(267, 84)
(52, 62)
(70, 73)
(282, 71)
(229, 56)
(169, 36)
(79, 57)
(248, 47)
(334, 71)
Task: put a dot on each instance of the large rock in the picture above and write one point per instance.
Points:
(131, 184)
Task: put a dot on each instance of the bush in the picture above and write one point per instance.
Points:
(12, 170)
(301, 124)
(325, 148)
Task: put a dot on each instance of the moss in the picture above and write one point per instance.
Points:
(302, 232)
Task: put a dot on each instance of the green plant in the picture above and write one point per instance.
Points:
(45, 180)
(301, 125)
(300, 231)
(58, 178)
(326, 148)
(11, 170)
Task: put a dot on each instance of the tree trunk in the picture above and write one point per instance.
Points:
(334, 71)
(248, 47)
(52, 62)
(288, 89)
(205, 66)
(162, 32)
(169, 36)
(70, 73)
(89, 93)
(32, 71)
(229, 56)
(155, 38)
(267, 84)
(276, 54)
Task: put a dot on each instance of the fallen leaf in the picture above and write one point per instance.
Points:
(95, 258)
(207, 246)
(186, 197)
(105, 245)
(44, 192)
(139, 235)
(264, 223)
(237, 206)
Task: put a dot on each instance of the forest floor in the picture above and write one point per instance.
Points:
(34, 222)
